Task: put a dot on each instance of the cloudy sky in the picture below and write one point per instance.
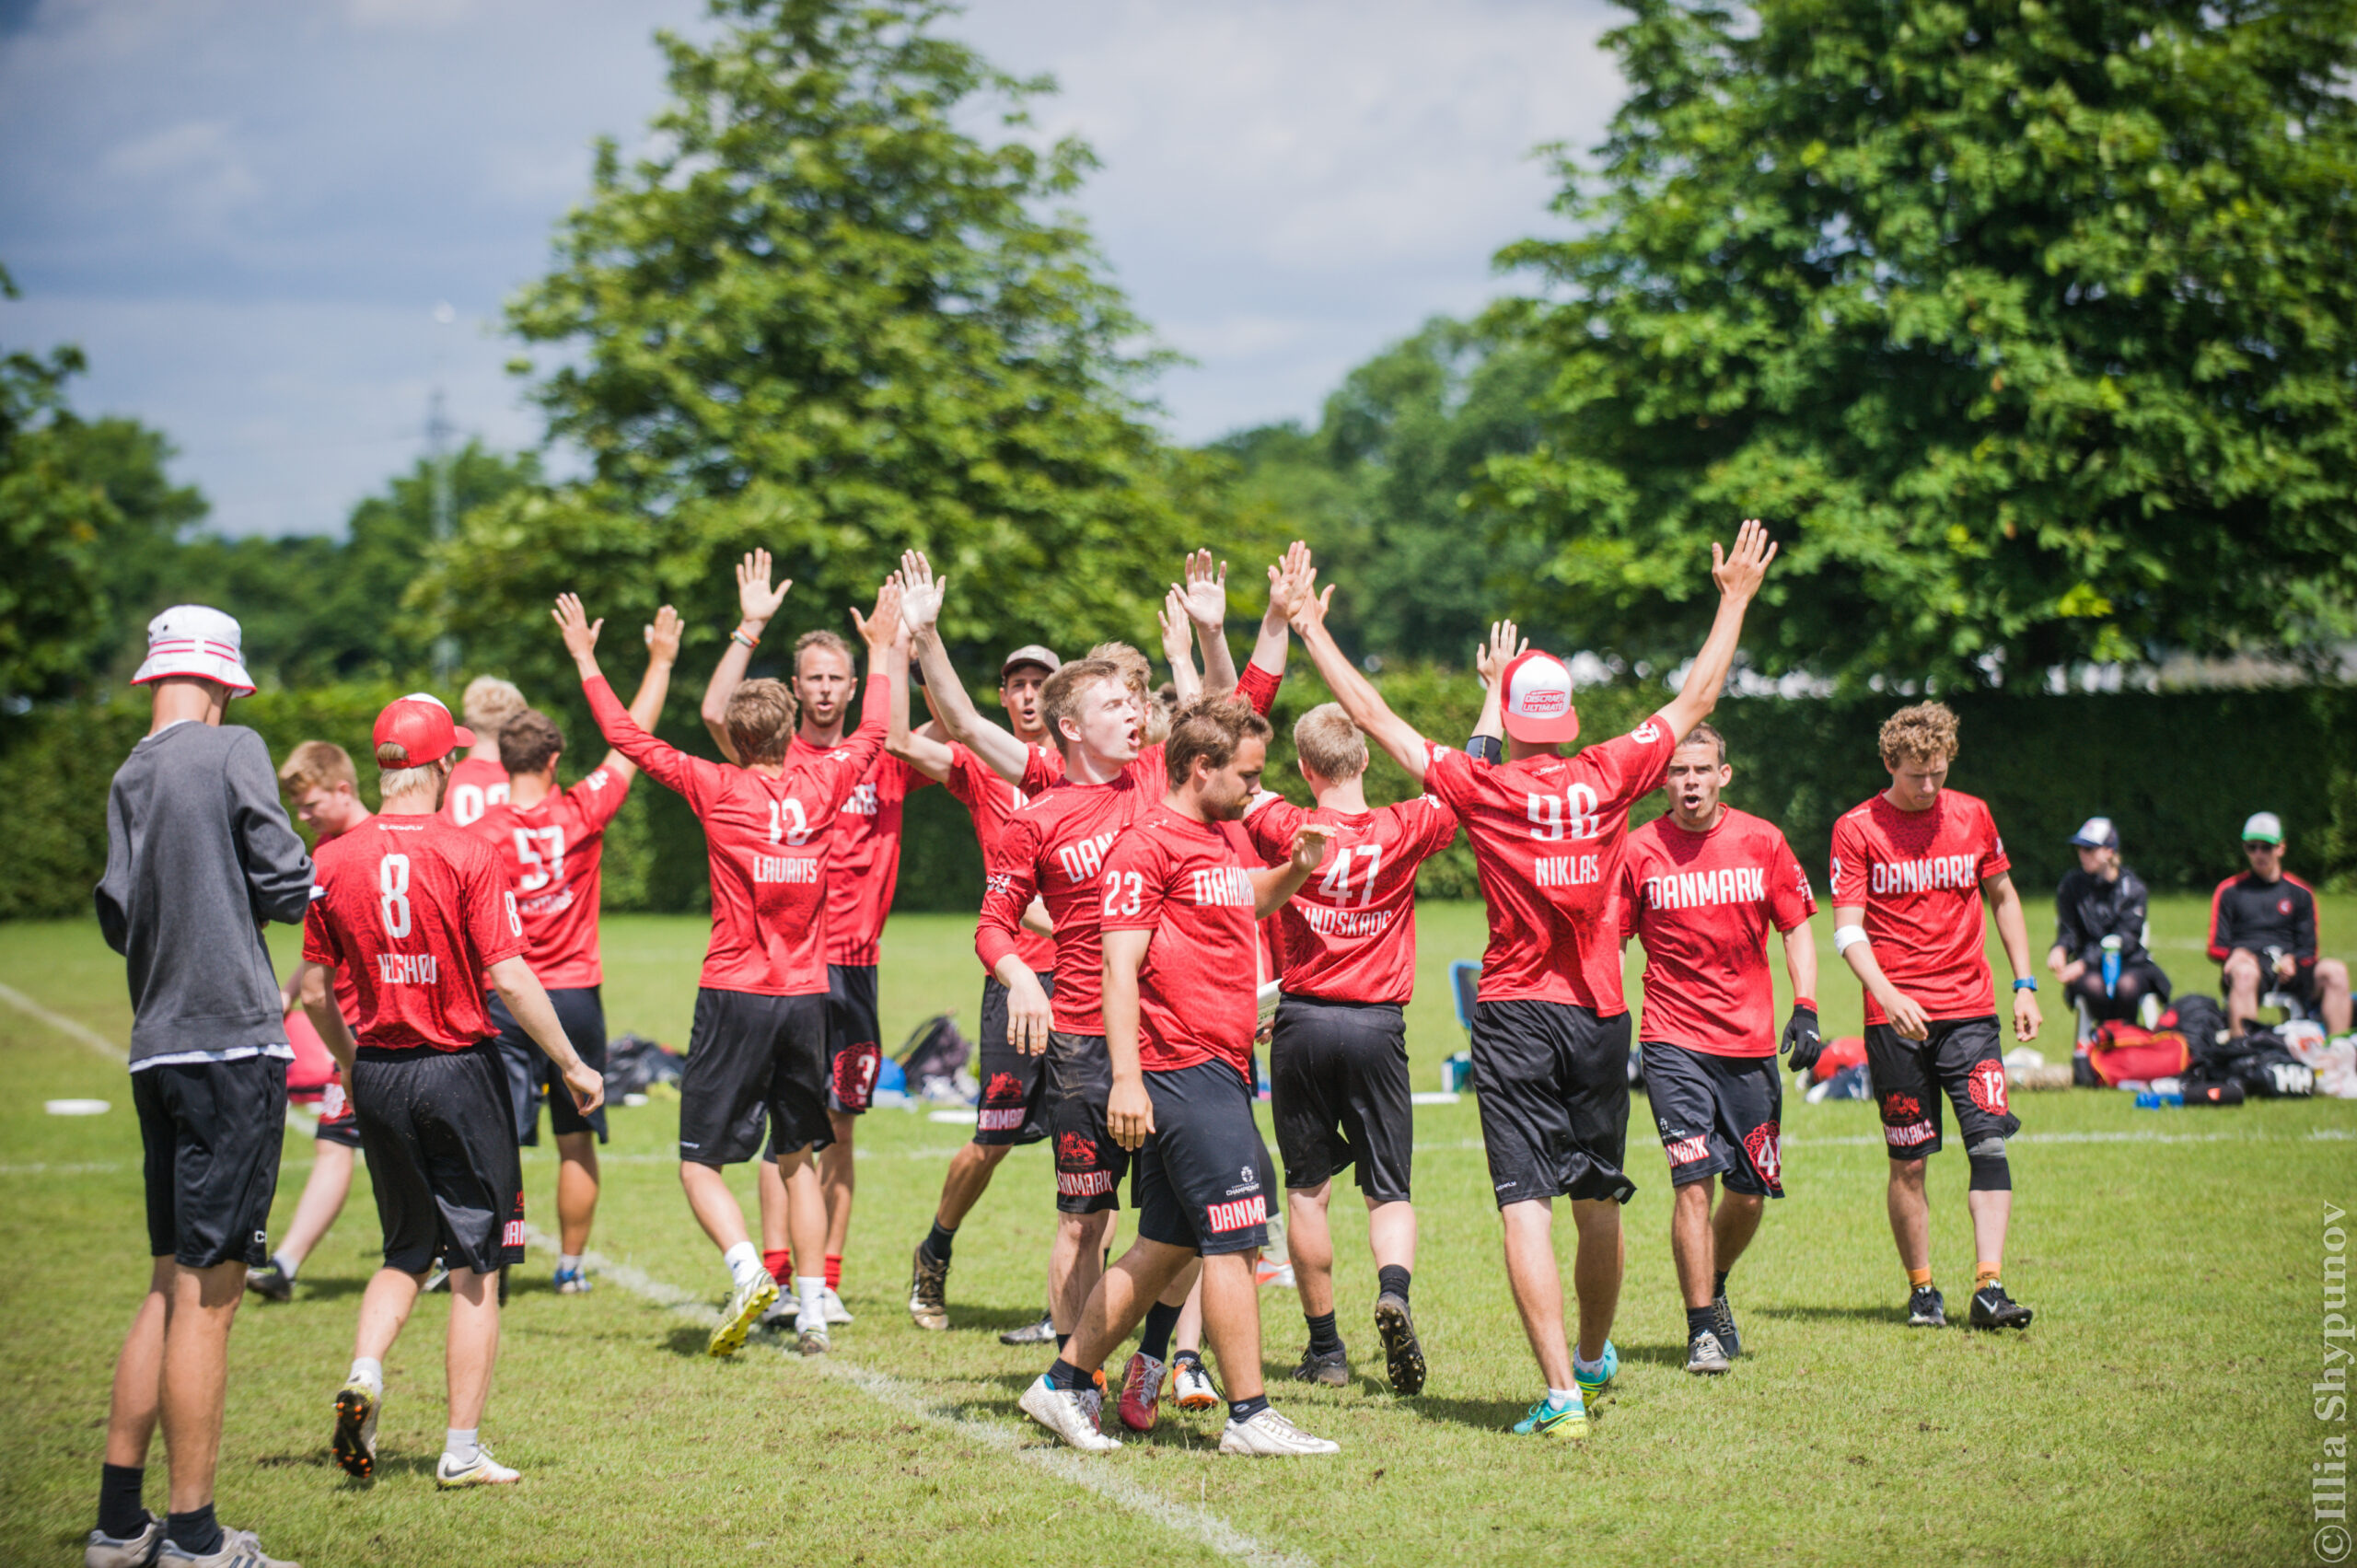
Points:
(247, 210)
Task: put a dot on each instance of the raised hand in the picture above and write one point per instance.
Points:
(920, 593)
(580, 632)
(880, 627)
(1205, 591)
(1738, 572)
(1290, 579)
(663, 637)
(1310, 613)
(754, 596)
(1178, 631)
(1506, 643)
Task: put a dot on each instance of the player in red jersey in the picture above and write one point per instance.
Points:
(552, 842)
(1910, 870)
(1551, 1030)
(757, 1050)
(416, 911)
(1338, 1058)
(1700, 888)
(1179, 903)
(479, 780)
(324, 788)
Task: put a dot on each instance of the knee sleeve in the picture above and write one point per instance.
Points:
(1990, 1172)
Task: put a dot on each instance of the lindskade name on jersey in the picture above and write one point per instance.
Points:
(1326, 921)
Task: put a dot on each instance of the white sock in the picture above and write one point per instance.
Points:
(460, 1445)
(368, 1372)
(569, 1262)
(1559, 1398)
(810, 1291)
(744, 1262)
(286, 1265)
(1588, 1367)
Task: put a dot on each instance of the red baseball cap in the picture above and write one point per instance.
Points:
(421, 727)
(1538, 700)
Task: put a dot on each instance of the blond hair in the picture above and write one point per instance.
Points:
(822, 638)
(319, 764)
(1060, 695)
(1925, 732)
(489, 703)
(1136, 673)
(759, 720)
(394, 779)
(1329, 744)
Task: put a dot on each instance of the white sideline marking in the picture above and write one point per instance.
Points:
(909, 1400)
(79, 1034)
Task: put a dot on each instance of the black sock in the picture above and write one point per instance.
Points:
(1322, 1337)
(197, 1533)
(1064, 1375)
(120, 1513)
(1699, 1321)
(1193, 1358)
(1159, 1321)
(937, 1244)
(1391, 1279)
(1244, 1410)
(1060, 1343)
(1719, 1283)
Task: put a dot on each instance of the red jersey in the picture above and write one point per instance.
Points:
(476, 785)
(990, 800)
(864, 860)
(1548, 834)
(1188, 883)
(767, 839)
(1918, 875)
(1349, 934)
(416, 911)
(553, 852)
(1702, 903)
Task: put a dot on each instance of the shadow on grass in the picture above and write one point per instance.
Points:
(314, 1290)
(1482, 1415)
(1830, 1313)
(1655, 1356)
(996, 1321)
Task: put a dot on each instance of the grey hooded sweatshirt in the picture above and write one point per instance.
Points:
(200, 853)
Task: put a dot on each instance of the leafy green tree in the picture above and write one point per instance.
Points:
(828, 317)
(2031, 324)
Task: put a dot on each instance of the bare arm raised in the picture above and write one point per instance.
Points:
(759, 602)
(926, 755)
(1178, 646)
(1359, 699)
(920, 597)
(662, 653)
(1205, 593)
(1738, 572)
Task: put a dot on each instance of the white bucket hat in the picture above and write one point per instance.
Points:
(195, 639)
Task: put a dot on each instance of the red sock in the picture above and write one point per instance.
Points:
(834, 1271)
(780, 1264)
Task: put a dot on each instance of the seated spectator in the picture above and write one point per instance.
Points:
(2263, 933)
(2102, 902)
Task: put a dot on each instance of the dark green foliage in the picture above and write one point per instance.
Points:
(2029, 325)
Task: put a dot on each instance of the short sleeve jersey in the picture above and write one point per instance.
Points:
(1187, 882)
(767, 842)
(415, 910)
(1702, 903)
(476, 785)
(1918, 875)
(991, 801)
(553, 851)
(1548, 834)
(864, 860)
(1349, 934)
(2248, 913)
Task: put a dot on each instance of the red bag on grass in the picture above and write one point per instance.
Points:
(1847, 1051)
(2123, 1054)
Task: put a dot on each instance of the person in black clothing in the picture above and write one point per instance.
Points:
(2263, 935)
(2099, 915)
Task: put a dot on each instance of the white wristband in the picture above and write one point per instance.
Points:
(1847, 936)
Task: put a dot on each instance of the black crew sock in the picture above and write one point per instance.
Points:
(1719, 1283)
(1193, 1358)
(1159, 1321)
(938, 1242)
(1322, 1337)
(1244, 1410)
(1391, 1279)
(120, 1513)
(1060, 1343)
(1064, 1375)
(1697, 1321)
(197, 1533)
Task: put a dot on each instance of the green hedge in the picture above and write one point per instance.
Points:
(2177, 771)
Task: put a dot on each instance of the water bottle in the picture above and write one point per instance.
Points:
(2111, 946)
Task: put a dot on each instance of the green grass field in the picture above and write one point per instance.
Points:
(2158, 1411)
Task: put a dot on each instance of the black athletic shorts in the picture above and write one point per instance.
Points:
(752, 1060)
(337, 1125)
(854, 1032)
(531, 1072)
(1338, 1085)
(1961, 1059)
(211, 1132)
(440, 1137)
(1202, 1173)
(1553, 1082)
(1719, 1116)
(1090, 1165)
(1014, 1106)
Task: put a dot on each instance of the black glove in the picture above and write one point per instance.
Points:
(1801, 1040)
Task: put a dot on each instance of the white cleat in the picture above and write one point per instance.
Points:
(737, 1319)
(1065, 1412)
(1270, 1435)
(239, 1549)
(811, 1338)
(836, 1311)
(481, 1470)
(1705, 1357)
